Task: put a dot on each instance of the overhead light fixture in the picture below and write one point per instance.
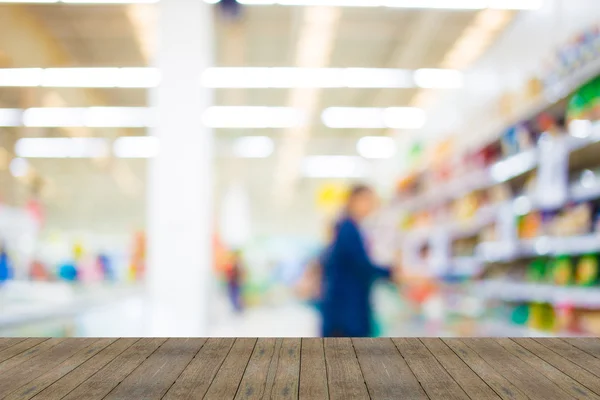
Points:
(61, 148)
(374, 118)
(252, 117)
(376, 147)
(82, 1)
(419, 4)
(253, 147)
(334, 167)
(10, 117)
(136, 147)
(81, 77)
(438, 78)
(96, 117)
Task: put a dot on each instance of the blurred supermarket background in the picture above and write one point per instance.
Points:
(144, 143)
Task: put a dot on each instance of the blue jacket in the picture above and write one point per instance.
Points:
(348, 277)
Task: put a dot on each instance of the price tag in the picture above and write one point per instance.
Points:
(553, 174)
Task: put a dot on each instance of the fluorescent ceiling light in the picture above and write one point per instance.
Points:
(136, 147)
(376, 147)
(334, 167)
(438, 78)
(81, 77)
(98, 117)
(10, 117)
(61, 148)
(374, 118)
(19, 167)
(252, 117)
(20, 77)
(253, 147)
(421, 4)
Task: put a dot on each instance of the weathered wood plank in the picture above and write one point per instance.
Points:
(468, 380)
(254, 380)
(589, 345)
(502, 386)
(313, 371)
(156, 375)
(18, 348)
(565, 382)
(566, 366)
(287, 376)
(386, 374)
(41, 363)
(344, 377)
(38, 384)
(5, 343)
(570, 352)
(70, 381)
(531, 382)
(194, 381)
(106, 379)
(436, 382)
(226, 383)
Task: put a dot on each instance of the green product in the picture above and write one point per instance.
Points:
(520, 314)
(587, 271)
(537, 270)
(541, 317)
(562, 271)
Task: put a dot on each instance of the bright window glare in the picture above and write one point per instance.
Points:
(376, 147)
(61, 148)
(253, 147)
(438, 78)
(334, 167)
(252, 117)
(136, 147)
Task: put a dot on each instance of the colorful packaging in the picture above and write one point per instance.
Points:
(588, 272)
(562, 271)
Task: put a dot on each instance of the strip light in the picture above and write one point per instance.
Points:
(421, 4)
(61, 148)
(81, 1)
(376, 147)
(81, 77)
(136, 147)
(374, 118)
(97, 117)
(253, 147)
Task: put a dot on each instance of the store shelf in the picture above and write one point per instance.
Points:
(524, 292)
(506, 329)
(544, 246)
(29, 302)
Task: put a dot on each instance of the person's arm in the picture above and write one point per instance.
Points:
(351, 244)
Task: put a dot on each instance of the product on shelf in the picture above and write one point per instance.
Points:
(588, 271)
(541, 317)
(562, 270)
(585, 103)
(537, 270)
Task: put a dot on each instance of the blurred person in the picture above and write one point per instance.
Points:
(6, 268)
(234, 282)
(349, 273)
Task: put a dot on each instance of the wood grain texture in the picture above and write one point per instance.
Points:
(8, 342)
(531, 382)
(255, 377)
(287, 373)
(502, 386)
(589, 345)
(228, 379)
(436, 382)
(344, 376)
(468, 380)
(18, 348)
(566, 383)
(38, 384)
(386, 374)
(194, 381)
(41, 346)
(313, 370)
(157, 373)
(574, 354)
(568, 367)
(39, 364)
(73, 379)
(106, 379)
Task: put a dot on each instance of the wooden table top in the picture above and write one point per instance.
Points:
(244, 368)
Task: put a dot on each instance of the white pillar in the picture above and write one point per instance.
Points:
(180, 177)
